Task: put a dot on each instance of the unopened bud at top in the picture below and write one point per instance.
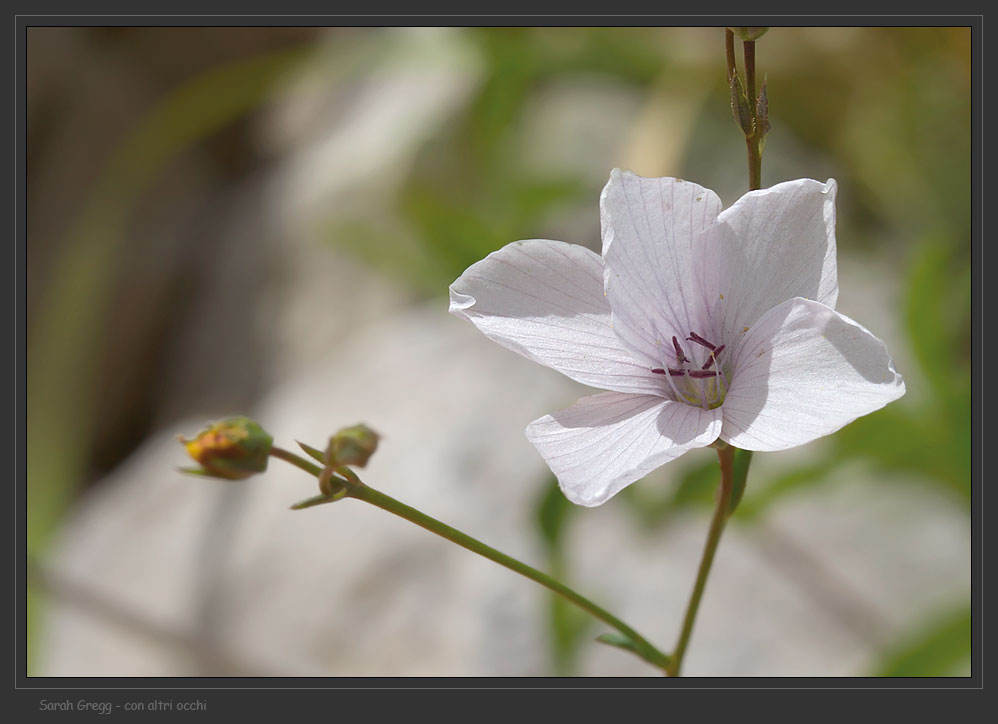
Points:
(748, 33)
(234, 448)
(352, 446)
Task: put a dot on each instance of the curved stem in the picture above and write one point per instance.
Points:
(725, 457)
(354, 488)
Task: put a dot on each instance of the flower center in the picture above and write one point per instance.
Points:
(697, 378)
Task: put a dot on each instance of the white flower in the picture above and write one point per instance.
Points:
(702, 323)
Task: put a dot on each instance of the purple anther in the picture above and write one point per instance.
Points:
(680, 356)
(672, 372)
(694, 337)
(713, 358)
(702, 374)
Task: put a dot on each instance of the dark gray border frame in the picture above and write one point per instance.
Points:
(264, 696)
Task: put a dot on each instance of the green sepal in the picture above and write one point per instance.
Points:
(740, 105)
(762, 110)
(312, 452)
(196, 471)
(319, 500)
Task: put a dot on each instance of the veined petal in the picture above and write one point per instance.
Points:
(650, 227)
(603, 443)
(544, 300)
(804, 371)
(771, 245)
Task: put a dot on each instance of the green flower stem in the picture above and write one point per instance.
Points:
(725, 457)
(356, 489)
(752, 141)
(298, 462)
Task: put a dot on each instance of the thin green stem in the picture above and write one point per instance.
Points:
(752, 141)
(354, 488)
(725, 457)
(297, 461)
(369, 495)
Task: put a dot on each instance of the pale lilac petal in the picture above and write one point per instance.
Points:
(544, 300)
(804, 371)
(650, 227)
(771, 245)
(603, 443)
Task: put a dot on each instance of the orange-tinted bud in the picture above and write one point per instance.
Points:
(234, 448)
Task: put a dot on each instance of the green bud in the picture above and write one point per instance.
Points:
(748, 33)
(233, 449)
(352, 446)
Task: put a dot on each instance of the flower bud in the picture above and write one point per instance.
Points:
(234, 448)
(748, 33)
(352, 446)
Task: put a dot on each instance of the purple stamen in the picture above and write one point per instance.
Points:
(680, 356)
(694, 337)
(674, 373)
(702, 374)
(713, 358)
